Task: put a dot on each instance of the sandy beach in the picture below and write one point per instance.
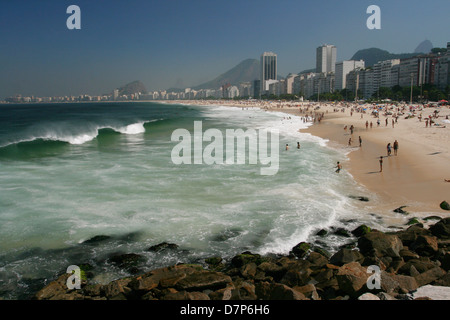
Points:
(414, 178)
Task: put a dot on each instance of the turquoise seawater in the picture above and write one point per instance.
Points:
(70, 172)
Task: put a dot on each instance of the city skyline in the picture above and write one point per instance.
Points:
(188, 43)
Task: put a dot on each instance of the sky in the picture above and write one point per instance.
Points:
(183, 43)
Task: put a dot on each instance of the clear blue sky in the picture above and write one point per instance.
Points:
(166, 43)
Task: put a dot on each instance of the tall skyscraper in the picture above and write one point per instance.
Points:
(268, 69)
(325, 58)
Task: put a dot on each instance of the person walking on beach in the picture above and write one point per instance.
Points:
(350, 141)
(339, 167)
(381, 164)
(395, 147)
(389, 151)
(360, 141)
(367, 125)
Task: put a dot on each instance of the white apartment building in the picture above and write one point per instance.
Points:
(342, 69)
(325, 58)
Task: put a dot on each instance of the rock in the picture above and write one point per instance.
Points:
(248, 270)
(309, 291)
(184, 295)
(127, 261)
(352, 278)
(213, 261)
(272, 269)
(317, 260)
(263, 290)
(361, 230)
(283, 292)
(413, 221)
(57, 290)
(296, 277)
(405, 283)
(244, 258)
(301, 249)
(417, 266)
(425, 245)
(407, 255)
(441, 229)
(400, 210)
(380, 244)
(201, 280)
(244, 291)
(429, 276)
(96, 239)
(444, 205)
(222, 294)
(368, 296)
(445, 261)
(162, 246)
(115, 290)
(322, 232)
(443, 281)
(432, 218)
(345, 256)
(360, 198)
(342, 232)
(410, 235)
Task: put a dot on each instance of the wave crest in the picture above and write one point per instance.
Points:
(78, 139)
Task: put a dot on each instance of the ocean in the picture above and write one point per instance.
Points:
(71, 172)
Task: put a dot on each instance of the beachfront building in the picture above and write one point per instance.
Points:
(325, 58)
(290, 83)
(385, 74)
(442, 71)
(361, 81)
(268, 69)
(342, 69)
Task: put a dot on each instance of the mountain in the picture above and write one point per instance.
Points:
(132, 87)
(372, 55)
(424, 47)
(247, 70)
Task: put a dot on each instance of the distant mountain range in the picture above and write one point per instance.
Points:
(132, 88)
(372, 55)
(247, 70)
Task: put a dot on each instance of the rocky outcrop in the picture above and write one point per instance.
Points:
(381, 266)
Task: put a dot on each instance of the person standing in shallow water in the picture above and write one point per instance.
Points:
(339, 167)
(395, 147)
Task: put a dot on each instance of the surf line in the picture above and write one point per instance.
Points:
(228, 148)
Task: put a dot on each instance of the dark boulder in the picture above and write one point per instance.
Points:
(441, 229)
(380, 244)
(301, 249)
(163, 246)
(345, 256)
(444, 205)
(361, 230)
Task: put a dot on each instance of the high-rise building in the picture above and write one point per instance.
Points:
(268, 69)
(342, 69)
(325, 58)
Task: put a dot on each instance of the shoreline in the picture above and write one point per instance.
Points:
(414, 178)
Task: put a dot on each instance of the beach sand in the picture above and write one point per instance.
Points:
(414, 178)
